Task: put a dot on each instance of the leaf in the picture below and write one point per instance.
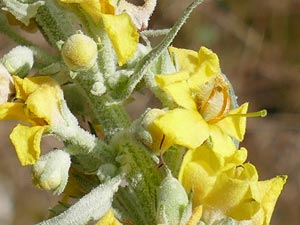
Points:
(89, 208)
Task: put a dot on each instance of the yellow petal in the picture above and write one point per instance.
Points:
(271, 190)
(221, 142)
(249, 172)
(44, 103)
(175, 86)
(196, 179)
(26, 86)
(187, 60)
(27, 142)
(160, 143)
(247, 207)
(107, 7)
(93, 8)
(183, 127)
(208, 66)
(235, 124)
(200, 65)
(123, 35)
(229, 195)
(13, 111)
(250, 203)
(109, 219)
(238, 157)
(168, 79)
(198, 172)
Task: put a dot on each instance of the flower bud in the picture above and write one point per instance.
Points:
(18, 61)
(172, 201)
(6, 85)
(50, 172)
(106, 172)
(79, 52)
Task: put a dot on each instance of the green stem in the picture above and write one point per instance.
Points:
(138, 198)
(111, 117)
(108, 67)
(55, 23)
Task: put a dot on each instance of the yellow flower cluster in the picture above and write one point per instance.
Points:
(215, 182)
(205, 121)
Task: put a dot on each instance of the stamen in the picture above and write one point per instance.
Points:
(261, 113)
(226, 99)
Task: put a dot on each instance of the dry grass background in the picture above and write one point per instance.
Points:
(258, 43)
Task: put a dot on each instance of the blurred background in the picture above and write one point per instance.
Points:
(258, 44)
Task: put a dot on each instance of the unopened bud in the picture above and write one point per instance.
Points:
(172, 201)
(18, 61)
(79, 52)
(50, 172)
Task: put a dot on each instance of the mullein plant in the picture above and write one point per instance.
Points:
(180, 164)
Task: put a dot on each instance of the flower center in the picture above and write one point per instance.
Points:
(213, 100)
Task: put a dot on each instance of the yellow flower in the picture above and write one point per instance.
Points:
(178, 126)
(121, 30)
(224, 186)
(38, 106)
(203, 95)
